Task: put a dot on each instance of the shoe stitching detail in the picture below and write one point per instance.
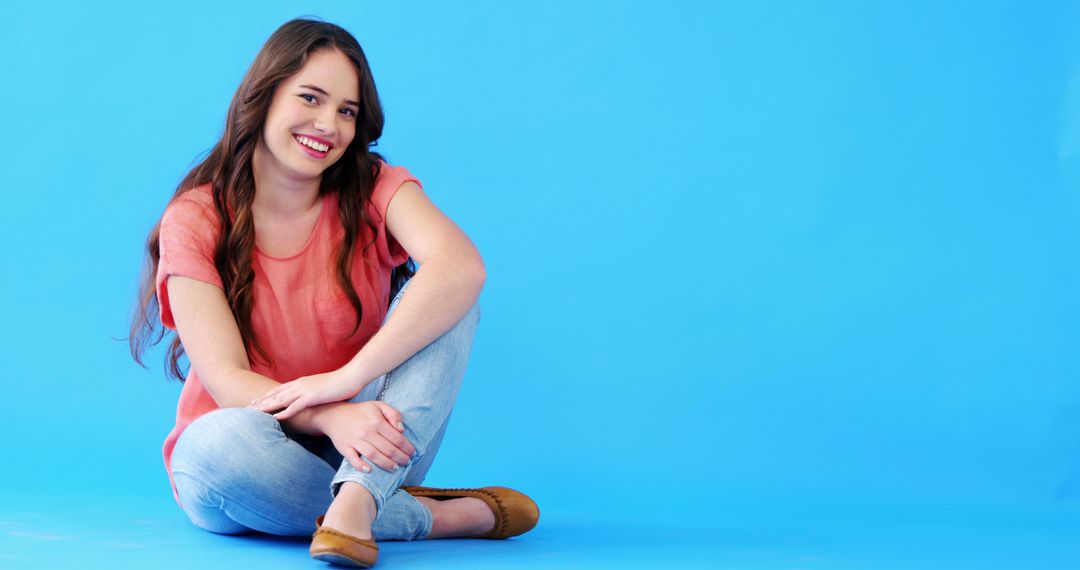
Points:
(359, 541)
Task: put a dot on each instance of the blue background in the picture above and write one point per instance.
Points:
(771, 284)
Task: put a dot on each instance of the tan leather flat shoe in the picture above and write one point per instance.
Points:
(336, 547)
(515, 512)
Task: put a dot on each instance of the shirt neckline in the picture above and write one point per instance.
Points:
(310, 239)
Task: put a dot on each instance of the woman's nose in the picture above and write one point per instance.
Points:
(324, 123)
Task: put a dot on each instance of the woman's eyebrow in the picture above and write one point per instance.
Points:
(323, 92)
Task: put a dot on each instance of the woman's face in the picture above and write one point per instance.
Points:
(312, 117)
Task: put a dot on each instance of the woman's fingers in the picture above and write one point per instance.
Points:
(295, 407)
(269, 405)
(397, 440)
(391, 414)
(353, 457)
(375, 456)
(278, 401)
(365, 428)
(388, 449)
(395, 419)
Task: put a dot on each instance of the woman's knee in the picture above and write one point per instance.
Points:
(223, 437)
(203, 507)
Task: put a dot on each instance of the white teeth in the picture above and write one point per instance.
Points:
(315, 145)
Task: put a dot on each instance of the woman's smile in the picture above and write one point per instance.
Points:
(314, 146)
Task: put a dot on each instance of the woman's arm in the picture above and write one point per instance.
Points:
(213, 344)
(446, 286)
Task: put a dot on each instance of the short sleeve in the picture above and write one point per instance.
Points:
(187, 238)
(386, 185)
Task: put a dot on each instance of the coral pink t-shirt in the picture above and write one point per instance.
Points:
(300, 316)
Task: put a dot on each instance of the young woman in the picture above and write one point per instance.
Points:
(323, 367)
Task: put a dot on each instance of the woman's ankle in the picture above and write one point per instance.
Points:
(352, 511)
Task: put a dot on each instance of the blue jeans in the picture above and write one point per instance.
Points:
(237, 471)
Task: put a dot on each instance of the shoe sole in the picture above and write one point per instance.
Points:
(339, 559)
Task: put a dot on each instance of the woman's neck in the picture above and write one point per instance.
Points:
(277, 194)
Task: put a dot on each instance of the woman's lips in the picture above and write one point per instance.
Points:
(315, 153)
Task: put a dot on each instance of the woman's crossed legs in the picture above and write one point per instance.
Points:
(236, 470)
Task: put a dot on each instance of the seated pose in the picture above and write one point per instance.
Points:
(324, 366)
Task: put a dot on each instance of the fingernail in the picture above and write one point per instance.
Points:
(401, 426)
(365, 468)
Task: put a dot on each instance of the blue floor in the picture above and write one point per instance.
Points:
(152, 533)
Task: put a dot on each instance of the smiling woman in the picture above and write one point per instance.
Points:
(284, 263)
(314, 111)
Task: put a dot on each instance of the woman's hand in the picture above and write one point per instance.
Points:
(307, 391)
(371, 429)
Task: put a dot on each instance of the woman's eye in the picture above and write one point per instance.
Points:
(309, 98)
(349, 112)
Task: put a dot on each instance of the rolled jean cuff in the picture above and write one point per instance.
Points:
(400, 516)
(379, 482)
(427, 521)
(376, 494)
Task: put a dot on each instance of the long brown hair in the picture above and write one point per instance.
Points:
(228, 170)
